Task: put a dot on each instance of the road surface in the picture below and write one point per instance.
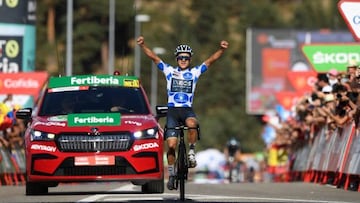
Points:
(242, 192)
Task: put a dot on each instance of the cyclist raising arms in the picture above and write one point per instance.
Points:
(181, 83)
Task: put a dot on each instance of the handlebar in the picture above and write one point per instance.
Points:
(184, 127)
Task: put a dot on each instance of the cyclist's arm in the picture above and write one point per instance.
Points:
(215, 56)
(148, 52)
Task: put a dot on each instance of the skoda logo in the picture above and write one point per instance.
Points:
(94, 131)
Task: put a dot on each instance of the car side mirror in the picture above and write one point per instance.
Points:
(24, 113)
(161, 111)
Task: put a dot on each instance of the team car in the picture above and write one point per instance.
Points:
(92, 128)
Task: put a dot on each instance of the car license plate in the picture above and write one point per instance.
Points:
(94, 160)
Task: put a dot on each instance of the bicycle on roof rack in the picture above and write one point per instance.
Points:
(181, 163)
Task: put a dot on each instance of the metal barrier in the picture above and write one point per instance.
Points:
(352, 164)
(10, 171)
(299, 167)
(332, 158)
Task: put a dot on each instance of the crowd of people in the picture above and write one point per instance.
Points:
(12, 154)
(11, 129)
(333, 102)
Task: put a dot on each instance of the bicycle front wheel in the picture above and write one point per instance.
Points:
(182, 170)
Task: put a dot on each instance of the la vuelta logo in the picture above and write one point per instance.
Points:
(10, 56)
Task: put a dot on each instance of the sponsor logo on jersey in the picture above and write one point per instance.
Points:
(187, 76)
(181, 98)
(178, 85)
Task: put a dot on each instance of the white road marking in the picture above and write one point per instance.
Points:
(175, 196)
(94, 198)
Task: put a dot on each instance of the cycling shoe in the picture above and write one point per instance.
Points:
(192, 160)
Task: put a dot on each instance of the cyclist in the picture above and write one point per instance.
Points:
(233, 146)
(181, 83)
(235, 166)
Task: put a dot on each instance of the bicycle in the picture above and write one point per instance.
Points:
(234, 170)
(181, 163)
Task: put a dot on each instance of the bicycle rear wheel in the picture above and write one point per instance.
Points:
(182, 170)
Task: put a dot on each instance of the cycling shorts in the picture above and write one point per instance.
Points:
(176, 116)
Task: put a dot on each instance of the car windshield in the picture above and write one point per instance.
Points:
(100, 99)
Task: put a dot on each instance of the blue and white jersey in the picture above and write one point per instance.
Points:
(181, 83)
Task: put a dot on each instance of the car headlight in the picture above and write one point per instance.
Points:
(150, 133)
(36, 135)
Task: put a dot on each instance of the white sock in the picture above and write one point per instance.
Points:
(191, 151)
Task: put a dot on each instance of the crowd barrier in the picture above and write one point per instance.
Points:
(12, 166)
(332, 158)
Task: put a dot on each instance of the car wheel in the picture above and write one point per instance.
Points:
(36, 189)
(153, 187)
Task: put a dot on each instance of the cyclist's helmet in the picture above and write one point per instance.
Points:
(183, 48)
(233, 145)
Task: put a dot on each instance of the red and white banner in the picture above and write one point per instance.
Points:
(26, 83)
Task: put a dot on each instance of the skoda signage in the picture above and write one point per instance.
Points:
(350, 11)
(324, 57)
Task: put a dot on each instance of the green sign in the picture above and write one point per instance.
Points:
(93, 80)
(94, 119)
(324, 57)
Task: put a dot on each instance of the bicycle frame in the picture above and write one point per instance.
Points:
(181, 163)
(182, 166)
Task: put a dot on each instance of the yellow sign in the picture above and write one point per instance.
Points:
(131, 83)
(12, 3)
(12, 48)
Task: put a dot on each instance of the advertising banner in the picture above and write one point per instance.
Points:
(18, 11)
(22, 83)
(324, 57)
(17, 36)
(274, 59)
(302, 81)
(350, 11)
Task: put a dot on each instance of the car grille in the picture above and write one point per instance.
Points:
(94, 143)
(67, 168)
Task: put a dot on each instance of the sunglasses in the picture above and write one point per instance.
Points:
(185, 58)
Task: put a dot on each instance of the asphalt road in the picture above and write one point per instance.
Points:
(243, 192)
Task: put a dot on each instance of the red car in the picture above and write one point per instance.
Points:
(93, 128)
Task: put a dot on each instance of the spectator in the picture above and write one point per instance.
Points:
(351, 70)
(333, 77)
(322, 81)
